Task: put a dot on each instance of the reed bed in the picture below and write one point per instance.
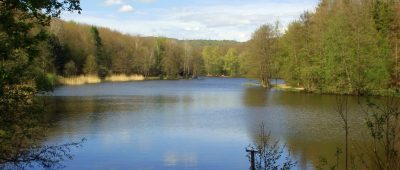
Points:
(79, 80)
(288, 88)
(124, 78)
(91, 79)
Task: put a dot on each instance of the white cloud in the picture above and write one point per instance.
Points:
(146, 1)
(126, 8)
(113, 2)
(217, 21)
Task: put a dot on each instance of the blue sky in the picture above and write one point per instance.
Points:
(190, 19)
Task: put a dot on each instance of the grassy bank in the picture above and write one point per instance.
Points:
(286, 87)
(124, 78)
(78, 80)
(387, 92)
(92, 79)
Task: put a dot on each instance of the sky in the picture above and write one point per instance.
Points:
(190, 19)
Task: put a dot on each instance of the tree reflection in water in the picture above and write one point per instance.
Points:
(255, 97)
(270, 154)
(22, 132)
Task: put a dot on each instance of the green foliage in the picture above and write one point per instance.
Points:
(231, 62)
(45, 81)
(171, 60)
(351, 54)
(20, 17)
(383, 122)
(103, 59)
(96, 37)
(90, 67)
(263, 53)
(343, 47)
(160, 49)
(213, 60)
(23, 68)
(70, 69)
(383, 15)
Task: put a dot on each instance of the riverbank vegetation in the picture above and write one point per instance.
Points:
(92, 79)
(22, 127)
(347, 47)
(382, 143)
(77, 49)
(344, 46)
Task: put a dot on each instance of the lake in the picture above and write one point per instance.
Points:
(191, 124)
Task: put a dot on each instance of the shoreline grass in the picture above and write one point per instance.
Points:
(94, 79)
(79, 80)
(124, 78)
(286, 87)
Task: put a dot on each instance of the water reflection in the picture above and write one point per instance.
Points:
(307, 123)
(199, 124)
(255, 97)
(188, 160)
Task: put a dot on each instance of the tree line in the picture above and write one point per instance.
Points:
(76, 49)
(344, 46)
(22, 128)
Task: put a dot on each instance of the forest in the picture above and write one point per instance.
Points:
(342, 47)
(348, 47)
(75, 49)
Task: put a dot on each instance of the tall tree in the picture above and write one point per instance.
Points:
(21, 30)
(297, 65)
(198, 63)
(263, 52)
(187, 59)
(103, 60)
(90, 67)
(171, 60)
(160, 50)
(231, 62)
(395, 44)
(213, 60)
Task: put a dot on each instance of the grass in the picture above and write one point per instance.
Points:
(79, 80)
(124, 78)
(92, 79)
(288, 88)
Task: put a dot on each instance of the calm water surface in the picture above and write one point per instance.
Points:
(190, 124)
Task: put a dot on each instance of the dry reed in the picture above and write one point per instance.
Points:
(124, 78)
(79, 80)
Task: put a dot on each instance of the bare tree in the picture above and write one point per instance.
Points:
(270, 152)
(383, 124)
(342, 110)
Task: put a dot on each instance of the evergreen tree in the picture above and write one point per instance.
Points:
(103, 61)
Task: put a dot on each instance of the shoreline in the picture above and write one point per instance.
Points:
(85, 80)
(285, 87)
(93, 79)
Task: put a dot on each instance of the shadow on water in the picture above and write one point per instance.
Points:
(23, 140)
(255, 97)
(93, 112)
(307, 123)
(178, 124)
